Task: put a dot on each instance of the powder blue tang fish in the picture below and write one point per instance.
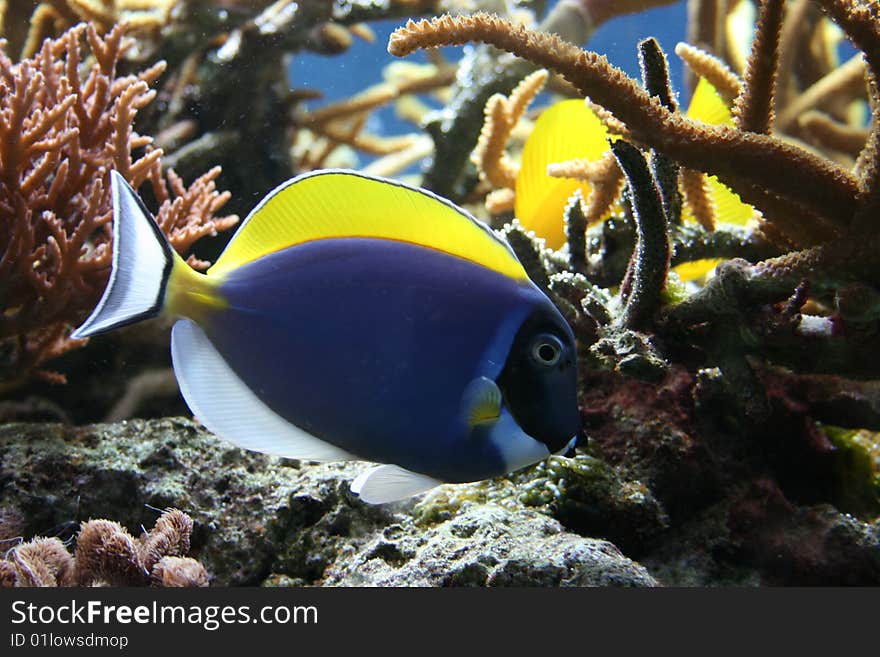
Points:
(353, 317)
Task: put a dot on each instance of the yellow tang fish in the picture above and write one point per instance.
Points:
(565, 131)
(570, 130)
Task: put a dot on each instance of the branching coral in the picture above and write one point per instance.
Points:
(705, 65)
(342, 123)
(456, 129)
(502, 115)
(61, 132)
(107, 555)
(646, 276)
(819, 212)
(51, 17)
(808, 199)
(758, 167)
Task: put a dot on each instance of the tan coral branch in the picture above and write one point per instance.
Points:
(832, 135)
(750, 163)
(490, 154)
(698, 197)
(502, 114)
(844, 80)
(753, 109)
(705, 65)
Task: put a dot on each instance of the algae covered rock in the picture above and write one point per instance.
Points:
(487, 545)
(262, 520)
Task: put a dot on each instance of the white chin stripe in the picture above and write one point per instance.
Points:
(517, 448)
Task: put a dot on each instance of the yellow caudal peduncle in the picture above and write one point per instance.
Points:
(191, 294)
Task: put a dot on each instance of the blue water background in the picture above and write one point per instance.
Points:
(342, 76)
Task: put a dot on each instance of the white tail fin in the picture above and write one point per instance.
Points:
(142, 263)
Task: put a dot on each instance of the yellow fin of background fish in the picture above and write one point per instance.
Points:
(565, 131)
(707, 106)
(331, 204)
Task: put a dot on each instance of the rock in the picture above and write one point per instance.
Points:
(487, 545)
(262, 520)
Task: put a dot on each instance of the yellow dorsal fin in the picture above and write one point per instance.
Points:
(338, 203)
(567, 130)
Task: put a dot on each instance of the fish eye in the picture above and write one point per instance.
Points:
(546, 349)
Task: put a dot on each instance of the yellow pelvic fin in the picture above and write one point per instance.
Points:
(567, 130)
(337, 203)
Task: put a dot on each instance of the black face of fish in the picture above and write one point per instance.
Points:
(539, 380)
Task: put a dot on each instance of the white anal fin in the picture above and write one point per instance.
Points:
(390, 483)
(226, 406)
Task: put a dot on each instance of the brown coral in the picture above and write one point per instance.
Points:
(106, 554)
(51, 17)
(342, 123)
(61, 132)
(809, 200)
(754, 165)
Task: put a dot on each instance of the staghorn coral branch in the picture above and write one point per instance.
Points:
(691, 242)
(796, 223)
(500, 200)
(605, 178)
(829, 134)
(706, 29)
(698, 197)
(490, 155)
(745, 161)
(524, 93)
(719, 75)
(859, 19)
(655, 72)
(867, 166)
(576, 233)
(843, 80)
(650, 260)
(502, 115)
(655, 79)
(753, 110)
(800, 19)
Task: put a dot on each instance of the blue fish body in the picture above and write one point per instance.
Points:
(375, 328)
(357, 318)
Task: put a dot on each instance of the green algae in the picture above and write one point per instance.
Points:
(856, 470)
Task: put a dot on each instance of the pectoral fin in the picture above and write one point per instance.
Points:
(481, 402)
